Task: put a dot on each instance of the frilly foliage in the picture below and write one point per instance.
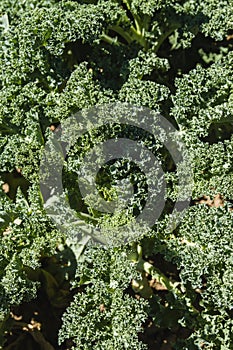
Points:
(95, 317)
(59, 57)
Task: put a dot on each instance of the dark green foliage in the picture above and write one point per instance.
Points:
(95, 317)
(175, 57)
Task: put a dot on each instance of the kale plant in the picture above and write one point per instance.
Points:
(61, 57)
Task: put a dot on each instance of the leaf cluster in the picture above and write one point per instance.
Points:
(173, 56)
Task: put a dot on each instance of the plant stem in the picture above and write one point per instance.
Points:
(163, 37)
(122, 33)
(139, 38)
(109, 40)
